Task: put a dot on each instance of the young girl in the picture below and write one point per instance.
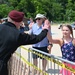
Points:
(67, 44)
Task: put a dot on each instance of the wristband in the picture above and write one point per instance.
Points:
(51, 44)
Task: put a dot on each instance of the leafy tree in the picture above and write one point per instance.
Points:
(4, 10)
(53, 9)
(69, 10)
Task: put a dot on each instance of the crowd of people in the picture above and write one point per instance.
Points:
(12, 35)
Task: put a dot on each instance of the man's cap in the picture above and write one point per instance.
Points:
(16, 16)
(39, 16)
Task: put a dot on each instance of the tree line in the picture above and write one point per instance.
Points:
(55, 10)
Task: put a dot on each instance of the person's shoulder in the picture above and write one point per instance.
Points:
(73, 41)
(73, 38)
(34, 25)
(61, 41)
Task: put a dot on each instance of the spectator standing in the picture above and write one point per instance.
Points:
(31, 23)
(23, 28)
(36, 29)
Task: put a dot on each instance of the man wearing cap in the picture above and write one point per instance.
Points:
(11, 38)
(42, 45)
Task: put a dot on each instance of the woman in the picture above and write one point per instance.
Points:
(45, 45)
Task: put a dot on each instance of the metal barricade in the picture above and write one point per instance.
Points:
(25, 65)
(55, 66)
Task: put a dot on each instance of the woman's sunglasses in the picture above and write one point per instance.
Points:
(38, 19)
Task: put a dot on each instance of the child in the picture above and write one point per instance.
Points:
(67, 44)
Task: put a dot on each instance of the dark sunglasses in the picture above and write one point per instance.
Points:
(38, 19)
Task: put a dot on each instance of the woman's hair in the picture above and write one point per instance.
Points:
(70, 28)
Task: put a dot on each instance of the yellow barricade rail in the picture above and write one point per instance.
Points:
(47, 58)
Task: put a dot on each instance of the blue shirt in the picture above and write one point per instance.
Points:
(37, 30)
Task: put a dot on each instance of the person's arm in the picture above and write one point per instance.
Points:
(26, 39)
(50, 43)
(53, 40)
(28, 32)
(50, 38)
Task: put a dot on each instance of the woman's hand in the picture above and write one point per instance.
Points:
(46, 24)
(49, 48)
